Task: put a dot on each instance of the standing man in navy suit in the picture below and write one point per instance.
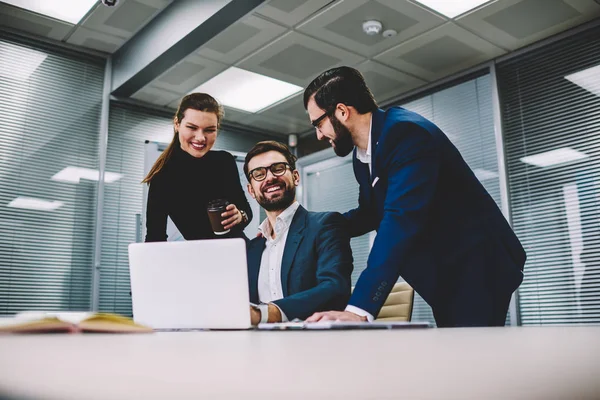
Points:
(437, 226)
(302, 263)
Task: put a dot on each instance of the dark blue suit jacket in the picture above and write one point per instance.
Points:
(437, 226)
(316, 265)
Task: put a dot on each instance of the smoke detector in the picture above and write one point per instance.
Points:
(372, 27)
(388, 33)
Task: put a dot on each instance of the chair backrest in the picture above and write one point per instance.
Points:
(399, 304)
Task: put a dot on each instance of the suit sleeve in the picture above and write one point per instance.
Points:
(334, 269)
(236, 191)
(157, 210)
(413, 168)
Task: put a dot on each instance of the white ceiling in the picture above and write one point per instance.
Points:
(295, 40)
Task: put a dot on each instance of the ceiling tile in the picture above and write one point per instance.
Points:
(291, 12)
(512, 24)
(96, 40)
(341, 24)
(386, 82)
(241, 39)
(156, 95)
(188, 74)
(274, 125)
(291, 109)
(297, 59)
(126, 18)
(440, 52)
(236, 116)
(131, 16)
(26, 21)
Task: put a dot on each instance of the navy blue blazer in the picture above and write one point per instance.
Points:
(315, 268)
(437, 226)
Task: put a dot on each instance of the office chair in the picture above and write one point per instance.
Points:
(399, 304)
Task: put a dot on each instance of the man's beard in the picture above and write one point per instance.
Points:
(278, 204)
(343, 138)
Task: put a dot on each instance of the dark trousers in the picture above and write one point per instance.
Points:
(478, 289)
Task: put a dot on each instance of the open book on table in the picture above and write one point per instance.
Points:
(69, 322)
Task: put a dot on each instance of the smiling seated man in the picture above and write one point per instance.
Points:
(303, 261)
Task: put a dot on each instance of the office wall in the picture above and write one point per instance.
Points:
(551, 120)
(49, 118)
(50, 102)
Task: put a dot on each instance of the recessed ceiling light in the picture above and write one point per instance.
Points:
(65, 10)
(74, 175)
(554, 157)
(589, 79)
(32, 203)
(452, 8)
(247, 91)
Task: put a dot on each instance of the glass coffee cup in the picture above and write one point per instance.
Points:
(215, 208)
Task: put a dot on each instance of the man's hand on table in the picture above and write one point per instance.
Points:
(335, 316)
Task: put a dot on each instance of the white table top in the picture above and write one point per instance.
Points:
(476, 363)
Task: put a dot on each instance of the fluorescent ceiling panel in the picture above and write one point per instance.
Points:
(555, 157)
(75, 174)
(589, 79)
(65, 10)
(247, 91)
(32, 203)
(19, 67)
(452, 8)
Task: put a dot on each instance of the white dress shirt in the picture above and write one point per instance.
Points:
(269, 275)
(365, 158)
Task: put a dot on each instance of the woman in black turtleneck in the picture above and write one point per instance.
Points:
(188, 175)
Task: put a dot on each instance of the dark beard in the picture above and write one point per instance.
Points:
(279, 204)
(343, 138)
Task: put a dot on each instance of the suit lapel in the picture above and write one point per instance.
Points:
(376, 128)
(361, 172)
(255, 252)
(364, 177)
(292, 242)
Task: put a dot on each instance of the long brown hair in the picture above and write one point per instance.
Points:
(196, 101)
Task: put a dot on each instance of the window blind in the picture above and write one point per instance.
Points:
(551, 122)
(49, 118)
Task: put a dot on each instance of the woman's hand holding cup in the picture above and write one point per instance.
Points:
(231, 217)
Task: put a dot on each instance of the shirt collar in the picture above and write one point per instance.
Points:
(365, 156)
(283, 222)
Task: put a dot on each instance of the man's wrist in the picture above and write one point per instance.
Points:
(244, 216)
(274, 313)
(365, 315)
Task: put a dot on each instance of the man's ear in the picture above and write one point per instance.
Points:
(342, 111)
(251, 191)
(296, 175)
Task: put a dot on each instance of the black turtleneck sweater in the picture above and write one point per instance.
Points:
(182, 190)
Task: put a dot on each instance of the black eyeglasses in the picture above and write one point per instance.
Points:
(277, 169)
(317, 121)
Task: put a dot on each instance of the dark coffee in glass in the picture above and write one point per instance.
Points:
(215, 208)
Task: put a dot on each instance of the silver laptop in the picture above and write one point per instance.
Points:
(200, 284)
